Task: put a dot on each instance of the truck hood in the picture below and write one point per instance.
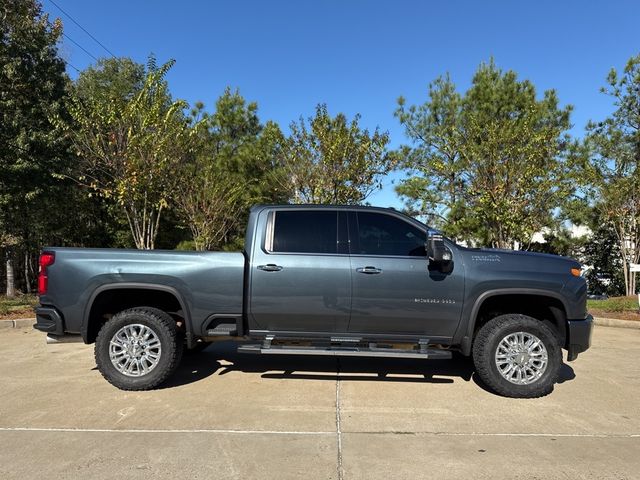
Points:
(497, 260)
(515, 254)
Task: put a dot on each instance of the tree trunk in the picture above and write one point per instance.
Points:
(27, 277)
(11, 287)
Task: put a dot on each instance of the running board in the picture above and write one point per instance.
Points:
(347, 351)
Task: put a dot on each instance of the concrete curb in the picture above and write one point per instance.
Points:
(614, 322)
(17, 323)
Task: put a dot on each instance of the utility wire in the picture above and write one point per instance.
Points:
(81, 47)
(83, 29)
(76, 69)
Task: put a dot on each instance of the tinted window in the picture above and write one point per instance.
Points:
(380, 234)
(305, 232)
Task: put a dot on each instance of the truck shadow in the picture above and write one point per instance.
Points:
(222, 359)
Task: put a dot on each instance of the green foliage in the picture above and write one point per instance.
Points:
(234, 165)
(131, 149)
(334, 161)
(612, 176)
(111, 80)
(488, 166)
(561, 242)
(18, 304)
(602, 253)
(186, 245)
(33, 88)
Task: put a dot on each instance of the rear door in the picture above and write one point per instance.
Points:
(394, 292)
(300, 273)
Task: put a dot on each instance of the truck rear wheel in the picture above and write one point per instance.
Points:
(138, 348)
(517, 356)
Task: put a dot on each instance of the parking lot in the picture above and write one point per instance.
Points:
(226, 415)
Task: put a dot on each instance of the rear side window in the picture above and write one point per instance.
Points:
(305, 232)
(380, 234)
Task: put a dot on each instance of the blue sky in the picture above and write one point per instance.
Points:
(359, 56)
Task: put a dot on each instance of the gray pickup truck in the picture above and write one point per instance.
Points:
(321, 280)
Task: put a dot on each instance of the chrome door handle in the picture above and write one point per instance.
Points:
(270, 267)
(369, 270)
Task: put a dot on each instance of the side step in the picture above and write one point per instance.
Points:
(345, 351)
(221, 329)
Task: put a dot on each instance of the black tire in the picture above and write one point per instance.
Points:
(170, 340)
(486, 343)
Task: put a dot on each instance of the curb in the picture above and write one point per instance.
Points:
(614, 322)
(16, 323)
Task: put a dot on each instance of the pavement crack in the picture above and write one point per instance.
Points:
(338, 430)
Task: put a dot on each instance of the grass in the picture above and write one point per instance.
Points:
(20, 305)
(614, 304)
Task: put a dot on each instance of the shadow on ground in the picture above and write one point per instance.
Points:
(222, 358)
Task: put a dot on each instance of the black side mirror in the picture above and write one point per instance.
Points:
(438, 253)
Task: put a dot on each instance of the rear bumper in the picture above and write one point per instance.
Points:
(49, 320)
(579, 338)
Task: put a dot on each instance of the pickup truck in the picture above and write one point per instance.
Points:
(321, 280)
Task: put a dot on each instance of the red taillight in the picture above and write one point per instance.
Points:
(46, 259)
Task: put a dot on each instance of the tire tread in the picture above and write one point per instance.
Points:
(483, 357)
(165, 323)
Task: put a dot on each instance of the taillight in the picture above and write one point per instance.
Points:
(46, 259)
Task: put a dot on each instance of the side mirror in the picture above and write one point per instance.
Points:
(438, 253)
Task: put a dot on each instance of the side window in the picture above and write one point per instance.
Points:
(380, 234)
(305, 231)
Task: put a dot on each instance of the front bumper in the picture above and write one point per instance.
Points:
(579, 336)
(49, 320)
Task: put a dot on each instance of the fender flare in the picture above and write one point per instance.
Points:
(467, 340)
(84, 329)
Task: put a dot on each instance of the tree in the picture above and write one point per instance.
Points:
(131, 149)
(613, 174)
(489, 164)
(335, 161)
(435, 187)
(111, 80)
(602, 253)
(210, 205)
(235, 164)
(33, 88)
(115, 81)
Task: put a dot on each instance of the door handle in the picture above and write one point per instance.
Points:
(270, 267)
(369, 270)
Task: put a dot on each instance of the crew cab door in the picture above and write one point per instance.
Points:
(300, 278)
(393, 290)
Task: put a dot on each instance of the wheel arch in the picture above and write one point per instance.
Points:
(92, 318)
(546, 300)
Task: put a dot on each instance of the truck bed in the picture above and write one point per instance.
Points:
(207, 282)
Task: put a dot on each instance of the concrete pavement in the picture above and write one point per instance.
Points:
(226, 415)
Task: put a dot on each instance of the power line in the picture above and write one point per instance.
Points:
(83, 29)
(76, 69)
(81, 47)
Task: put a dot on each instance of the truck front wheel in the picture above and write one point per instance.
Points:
(517, 356)
(138, 348)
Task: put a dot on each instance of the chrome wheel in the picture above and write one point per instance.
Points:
(521, 358)
(135, 350)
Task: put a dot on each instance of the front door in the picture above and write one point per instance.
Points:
(300, 275)
(393, 290)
